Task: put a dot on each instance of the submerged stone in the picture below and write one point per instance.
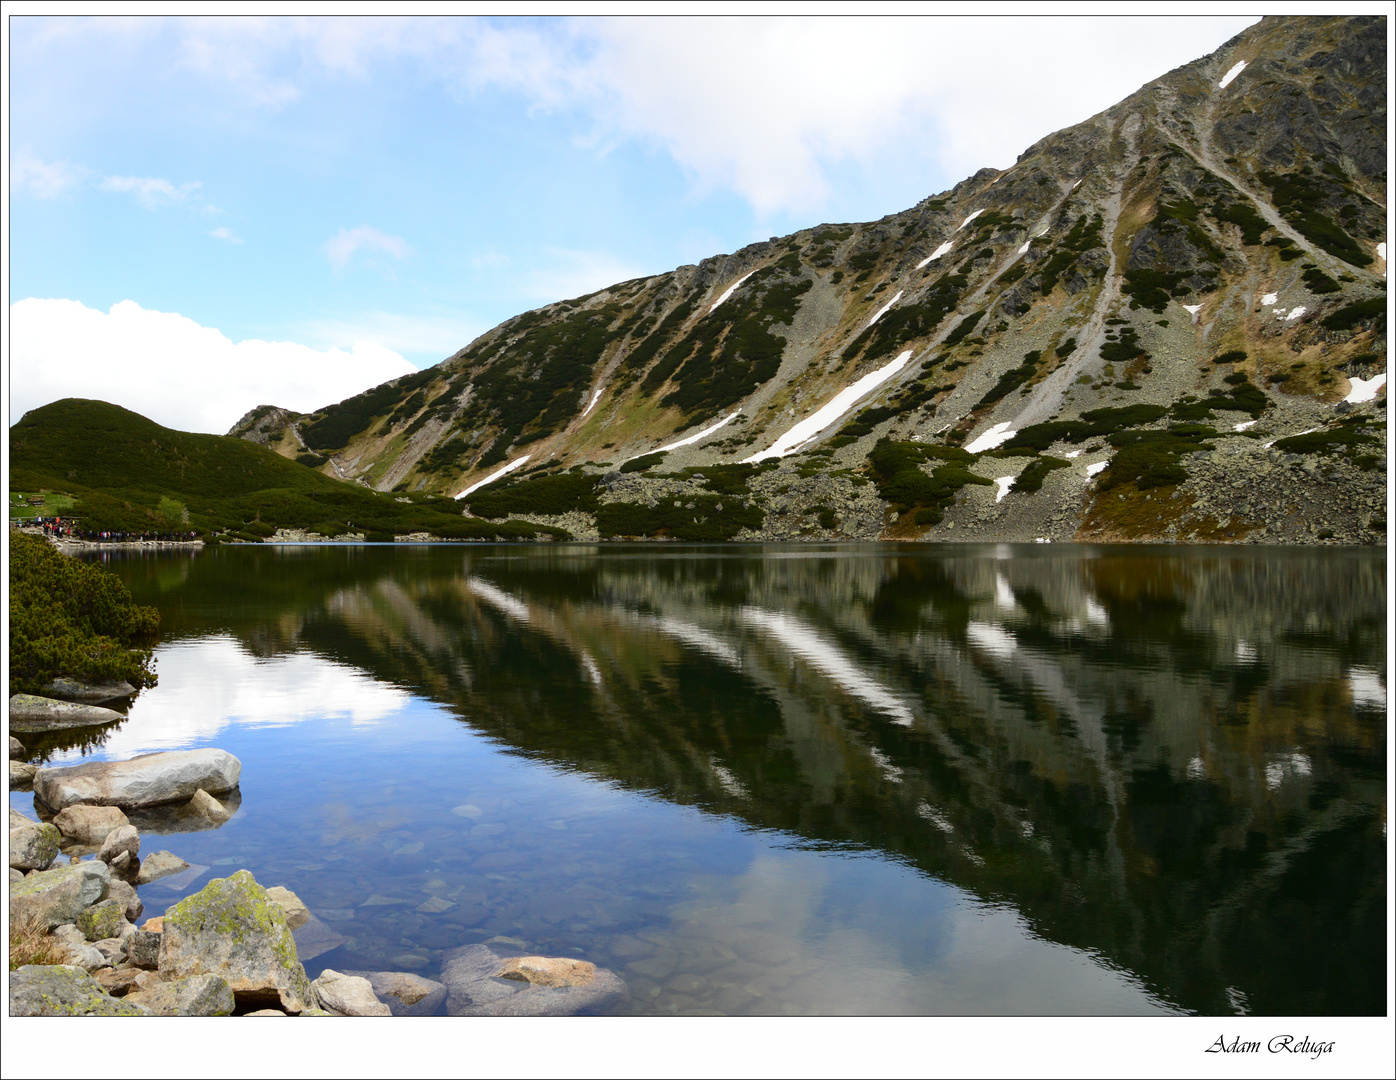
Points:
(158, 865)
(473, 988)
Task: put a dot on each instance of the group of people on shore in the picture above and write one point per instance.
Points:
(56, 528)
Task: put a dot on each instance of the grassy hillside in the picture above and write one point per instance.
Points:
(129, 473)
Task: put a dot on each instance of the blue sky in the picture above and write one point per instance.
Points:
(364, 196)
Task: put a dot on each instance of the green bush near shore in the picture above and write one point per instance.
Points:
(73, 618)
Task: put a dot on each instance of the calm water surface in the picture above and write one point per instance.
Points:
(825, 779)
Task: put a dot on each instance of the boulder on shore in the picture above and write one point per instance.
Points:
(194, 995)
(57, 896)
(93, 692)
(63, 990)
(474, 987)
(347, 995)
(147, 780)
(123, 840)
(297, 914)
(103, 919)
(33, 846)
(143, 949)
(21, 775)
(230, 929)
(120, 890)
(89, 824)
(29, 712)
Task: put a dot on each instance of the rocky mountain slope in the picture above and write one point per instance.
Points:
(1167, 322)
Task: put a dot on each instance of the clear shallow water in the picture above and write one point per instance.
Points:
(825, 779)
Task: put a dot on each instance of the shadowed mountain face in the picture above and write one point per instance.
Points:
(1167, 290)
(1171, 760)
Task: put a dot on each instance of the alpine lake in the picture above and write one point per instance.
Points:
(830, 779)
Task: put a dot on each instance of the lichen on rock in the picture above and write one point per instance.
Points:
(230, 928)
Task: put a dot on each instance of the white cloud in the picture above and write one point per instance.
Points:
(342, 246)
(781, 111)
(576, 273)
(171, 369)
(44, 179)
(225, 233)
(150, 191)
(748, 104)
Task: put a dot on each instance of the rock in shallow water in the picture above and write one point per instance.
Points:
(16, 748)
(89, 824)
(31, 713)
(314, 938)
(230, 929)
(547, 971)
(147, 780)
(63, 990)
(160, 864)
(404, 993)
(205, 805)
(21, 775)
(123, 840)
(473, 988)
(74, 690)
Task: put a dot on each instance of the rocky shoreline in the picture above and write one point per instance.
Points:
(78, 946)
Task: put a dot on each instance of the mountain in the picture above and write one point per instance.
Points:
(1167, 322)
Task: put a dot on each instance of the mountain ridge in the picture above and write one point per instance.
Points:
(1144, 310)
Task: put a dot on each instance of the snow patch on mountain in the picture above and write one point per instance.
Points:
(885, 308)
(1365, 389)
(999, 433)
(502, 471)
(1236, 69)
(844, 400)
(691, 439)
(936, 254)
(730, 290)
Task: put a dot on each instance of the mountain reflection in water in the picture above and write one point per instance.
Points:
(1172, 760)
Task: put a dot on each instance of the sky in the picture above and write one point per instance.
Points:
(209, 214)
